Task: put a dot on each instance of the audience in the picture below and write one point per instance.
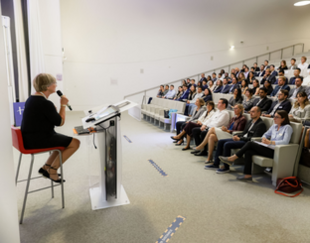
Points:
(281, 73)
(281, 85)
(268, 77)
(278, 134)
(281, 104)
(268, 87)
(180, 93)
(256, 68)
(255, 87)
(282, 65)
(161, 91)
(226, 87)
(298, 88)
(207, 95)
(237, 123)
(188, 82)
(191, 104)
(266, 62)
(218, 87)
(262, 102)
(214, 77)
(272, 71)
(180, 125)
(244, 86)
(301, 109)
(293, 64)
(203, 78)
(248, 101)
(235, 99)
(219, 119)
(296, 74)
(303, 65)
(255, 128)
(203, 114)
(261, 71)
(251, 77)
(171, 93)
(240, 77)
(233, 86)
(185, 94)
(211, 85)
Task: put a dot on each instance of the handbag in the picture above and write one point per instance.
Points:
(289, 185)
(166, 113)
(171, 111)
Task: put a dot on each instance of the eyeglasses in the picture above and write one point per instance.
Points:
(277, 117)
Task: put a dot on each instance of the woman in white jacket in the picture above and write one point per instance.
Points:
(301, 110)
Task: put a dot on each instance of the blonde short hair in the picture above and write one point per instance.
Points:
(240, 106)
(201, 101)
(42, 81)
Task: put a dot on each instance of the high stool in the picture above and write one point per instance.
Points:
(18, 143)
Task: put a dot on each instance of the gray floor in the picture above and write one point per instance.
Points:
(217, 207)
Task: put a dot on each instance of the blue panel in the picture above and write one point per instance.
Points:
(127, 139)
(166, 236)
(158, 168)
(18, 112)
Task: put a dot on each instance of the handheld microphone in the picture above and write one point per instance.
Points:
(61, 94)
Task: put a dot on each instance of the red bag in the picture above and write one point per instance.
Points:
(289, 185)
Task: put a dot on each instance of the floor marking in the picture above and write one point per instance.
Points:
(127, 139)
(158, 168)
(171, 230)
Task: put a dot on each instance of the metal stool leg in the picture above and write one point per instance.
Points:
(27, 189)
(18, 167)
(62, 183)
(52, 187)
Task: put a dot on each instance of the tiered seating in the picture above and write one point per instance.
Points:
(155, 111)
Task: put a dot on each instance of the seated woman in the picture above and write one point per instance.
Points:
(251, 77)
(283, 65)
(255, 87)
(278, 134)
(248, 101)
(181, 124)
(236, 99)
(207, 95)
(237, 123)
(268, 86)
(39, 120)
(218, 87)
(240, 77)
(301, 110)
(244, 86)
(179, 94)
(187, 130)
(192, 93)
(211, 85)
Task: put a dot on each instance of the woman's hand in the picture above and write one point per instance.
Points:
(199, 123)
(64, 100)
(266, 141)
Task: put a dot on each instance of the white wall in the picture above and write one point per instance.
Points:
(9, 227)
(109, 42)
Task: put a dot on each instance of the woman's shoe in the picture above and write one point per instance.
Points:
(172, 137)
(179, 144)
(58, 180)
(44, 172)
(183, 149)
(175, 141)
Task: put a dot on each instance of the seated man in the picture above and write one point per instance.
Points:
(219, 118)
(161, 91)
(298, 88)
(246, 71)
(171, 93)
(185, 94)
(188, 82)
(293, 64)
(261, 71)
(237, 71)
(193, 82)
(255, 128)
(266, 64)
(296, 74)
(262, 102)
(281, 73)
(214, 77)
(268, 77)
(226, 86)
(281, 85)
(256, 68)
(204, 84)
(303, 65)
(272, 71)
(203, 78)
(234, 85)
(281, 104)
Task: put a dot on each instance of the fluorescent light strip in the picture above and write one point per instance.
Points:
(302, 3)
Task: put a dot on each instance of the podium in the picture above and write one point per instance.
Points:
(106, 120)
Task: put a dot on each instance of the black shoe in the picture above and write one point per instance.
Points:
(195, 152)
(183, 149)
(172, 137)
(201, 153)
(179, 144)
(45, 173)
(175, 141)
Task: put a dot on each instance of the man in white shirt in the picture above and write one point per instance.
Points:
(219, 118)
(171, 93)
(303, 65)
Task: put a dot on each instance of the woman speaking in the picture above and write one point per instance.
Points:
(39, 120)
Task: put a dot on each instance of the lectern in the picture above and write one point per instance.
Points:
(106, 119)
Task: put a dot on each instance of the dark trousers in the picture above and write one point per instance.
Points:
(199, 135)
(180, 126)
(224, 147)
(150, 99)
(250, 149)
(186, 110)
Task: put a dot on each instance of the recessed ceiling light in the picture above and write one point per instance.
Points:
(232, 47)
(302, 3)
